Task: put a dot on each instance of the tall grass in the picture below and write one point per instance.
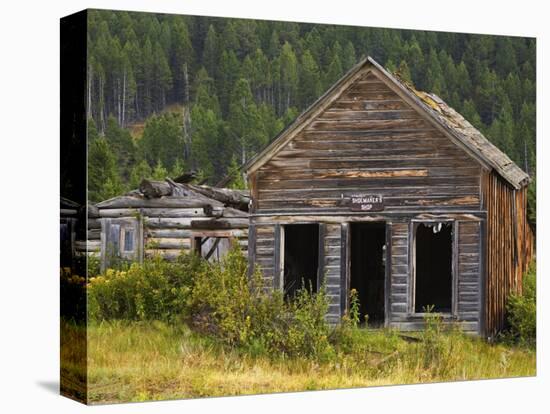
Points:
(192, 329)
(137, 361)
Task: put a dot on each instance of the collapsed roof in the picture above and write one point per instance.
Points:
(170, 194)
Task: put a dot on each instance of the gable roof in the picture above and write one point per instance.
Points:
(442, 116)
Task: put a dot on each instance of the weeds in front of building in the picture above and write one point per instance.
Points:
(190, 328)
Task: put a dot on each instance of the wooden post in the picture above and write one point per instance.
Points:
(344, 274)
(278, 244)
(251, 249)
(387, 276)
(321, 256)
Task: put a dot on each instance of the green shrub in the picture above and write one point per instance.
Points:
(155, 289)
(345, 335)
(238, 309)
(437, 351)
(432, 347)
(521, 311)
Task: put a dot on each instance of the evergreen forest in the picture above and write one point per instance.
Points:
(172, 93)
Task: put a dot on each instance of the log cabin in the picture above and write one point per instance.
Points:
(170, 218)
(387, 190)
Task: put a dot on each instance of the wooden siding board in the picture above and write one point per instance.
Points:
(344, 274)
(390, 150)
(507, 232)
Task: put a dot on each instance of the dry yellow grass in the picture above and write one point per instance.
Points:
(155, 361)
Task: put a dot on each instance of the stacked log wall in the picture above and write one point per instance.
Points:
(169, 231)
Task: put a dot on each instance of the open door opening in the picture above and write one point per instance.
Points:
(433, 267)
(301, 258)
(367, 265)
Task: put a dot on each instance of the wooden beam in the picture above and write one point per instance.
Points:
(321, 256)
(344, 276)
(155, 189)
(278, 245)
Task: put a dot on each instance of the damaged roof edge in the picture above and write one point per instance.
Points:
(450, 121)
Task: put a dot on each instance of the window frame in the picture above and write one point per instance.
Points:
(125, 223)
(414, 223)
(122, 243)
(197, 236)
(279, 253)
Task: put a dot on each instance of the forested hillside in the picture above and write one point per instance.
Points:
(212, 91)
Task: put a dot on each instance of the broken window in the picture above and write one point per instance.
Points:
(301, 257)
(433, 267)
(212, 249)
(128, 240)
(121, 241)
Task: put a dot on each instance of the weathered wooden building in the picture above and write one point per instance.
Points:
(169, 218)
(384, 189)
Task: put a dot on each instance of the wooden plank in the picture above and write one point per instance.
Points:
(251, 249)
(344, 273)
(415, 192)
(483, 279)
(388, 290)
(168, 243)
(369, 104)
(165, 202)
(428, 135)
(321, 256)
(346, 115)
(369, 184)
(278, 256)
(376, 125)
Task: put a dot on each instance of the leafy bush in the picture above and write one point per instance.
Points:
(344, 335)
(438, 347)
(432, 347)
(155, 289)
(522, 311)
(240, 310)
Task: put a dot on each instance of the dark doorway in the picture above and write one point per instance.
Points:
(301, 257)
(368, 273)
(433, 267)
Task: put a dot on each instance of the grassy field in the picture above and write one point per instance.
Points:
(155, 361)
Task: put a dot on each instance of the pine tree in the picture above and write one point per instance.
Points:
(334, 71)
(349, 59)
(404, 71)
(162, 140)
(159, 172)
(210, 51)
(161, 78)
(229, 72)
(469, 112)
(182, 61)
(244, 121)
(237, 179)
(103, 180)
(121, 143)
(310, 80)
(140, 171)
(205, 141)
(289, 75)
